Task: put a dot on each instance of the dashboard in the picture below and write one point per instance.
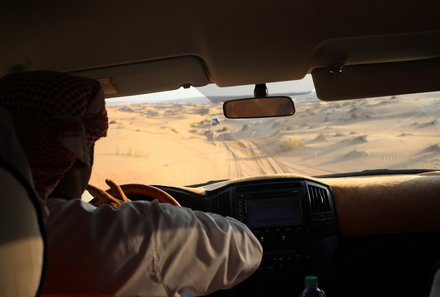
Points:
(294, 220)
(339, 228)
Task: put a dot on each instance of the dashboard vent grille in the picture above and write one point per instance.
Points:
(221, 203)
(319, 199)
(268, 188)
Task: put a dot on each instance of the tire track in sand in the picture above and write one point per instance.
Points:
(250, 159)
(246, 159)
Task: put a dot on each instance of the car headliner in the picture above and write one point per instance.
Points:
(147, 46)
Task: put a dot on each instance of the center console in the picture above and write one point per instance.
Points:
(294, 220)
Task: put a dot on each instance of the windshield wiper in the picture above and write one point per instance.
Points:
(372, 172)
(206, 183)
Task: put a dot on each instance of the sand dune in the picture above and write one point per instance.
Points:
(434, 148)
(354, 154)
(181, 144)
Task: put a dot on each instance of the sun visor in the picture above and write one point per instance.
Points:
(149, 76)
(375, 80)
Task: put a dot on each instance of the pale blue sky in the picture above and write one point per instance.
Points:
(304, 85)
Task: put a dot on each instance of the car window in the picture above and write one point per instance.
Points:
(182, 138)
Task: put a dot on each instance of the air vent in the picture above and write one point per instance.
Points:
(270, 187)
(221, 203)
(319, 200)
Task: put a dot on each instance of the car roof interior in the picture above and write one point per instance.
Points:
(148, 46)
(388, 219)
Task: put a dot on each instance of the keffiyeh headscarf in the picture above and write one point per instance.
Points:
(57, 118)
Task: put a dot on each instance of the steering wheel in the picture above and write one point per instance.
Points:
(147, 191)
(114, 196)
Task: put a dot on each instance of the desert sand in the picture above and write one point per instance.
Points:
(177, 144)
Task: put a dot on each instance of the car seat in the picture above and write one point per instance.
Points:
(21, 232)
(435, 288)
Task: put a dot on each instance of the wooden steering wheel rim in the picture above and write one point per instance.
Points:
(146, 190)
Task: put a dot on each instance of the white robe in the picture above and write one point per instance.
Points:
(145, 249)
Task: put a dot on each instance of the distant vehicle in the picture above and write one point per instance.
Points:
(215, 121)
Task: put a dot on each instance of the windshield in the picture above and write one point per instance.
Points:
(182, 138)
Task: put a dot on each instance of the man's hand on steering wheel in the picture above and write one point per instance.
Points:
(103, 197)
(117, 194)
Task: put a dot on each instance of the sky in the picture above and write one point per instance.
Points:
(304, 85)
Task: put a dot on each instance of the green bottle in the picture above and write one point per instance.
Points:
(312, 289)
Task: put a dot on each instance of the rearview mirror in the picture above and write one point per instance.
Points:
(258, 107)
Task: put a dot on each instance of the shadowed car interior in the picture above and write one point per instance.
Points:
(323, 188)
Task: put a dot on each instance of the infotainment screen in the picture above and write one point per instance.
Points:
(271, 212)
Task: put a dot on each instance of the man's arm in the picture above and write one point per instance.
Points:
(200, 252)
(146, 249)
